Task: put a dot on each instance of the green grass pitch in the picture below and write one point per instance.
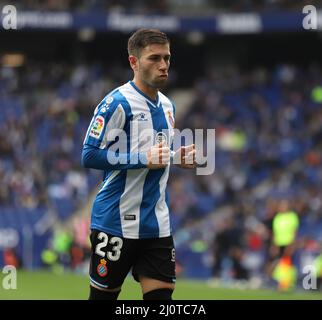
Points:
(41, 285)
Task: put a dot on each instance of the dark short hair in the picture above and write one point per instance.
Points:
(144, 37)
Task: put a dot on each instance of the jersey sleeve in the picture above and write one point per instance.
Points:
(97, 154)
(108, 115)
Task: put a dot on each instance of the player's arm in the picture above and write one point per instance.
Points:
(157, 157)
(96, 158)
(97, 151)
(109, 118)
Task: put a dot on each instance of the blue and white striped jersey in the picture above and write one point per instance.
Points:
(132, 201)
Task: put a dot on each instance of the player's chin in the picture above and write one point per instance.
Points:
(160, 82)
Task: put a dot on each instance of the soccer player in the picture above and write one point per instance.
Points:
(130, 137)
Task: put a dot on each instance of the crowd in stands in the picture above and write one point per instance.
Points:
(41, 133)
(268, 149)
(166, 6)
(268, 126)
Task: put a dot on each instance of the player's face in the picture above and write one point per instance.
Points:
(153, 65)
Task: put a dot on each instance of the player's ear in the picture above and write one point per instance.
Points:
(133, 62)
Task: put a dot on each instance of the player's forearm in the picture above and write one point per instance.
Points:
(101, 159)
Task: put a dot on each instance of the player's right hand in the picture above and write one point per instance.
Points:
(158, 156)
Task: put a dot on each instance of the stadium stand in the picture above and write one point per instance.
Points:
(204, 7)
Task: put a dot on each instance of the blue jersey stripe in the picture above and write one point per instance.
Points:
(151, 193)
(106, 212)
(151, 189)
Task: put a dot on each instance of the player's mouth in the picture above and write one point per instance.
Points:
(164, 76)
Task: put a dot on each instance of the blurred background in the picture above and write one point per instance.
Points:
(247, 69)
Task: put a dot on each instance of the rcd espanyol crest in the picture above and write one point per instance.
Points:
(102, 268)
(160, 137)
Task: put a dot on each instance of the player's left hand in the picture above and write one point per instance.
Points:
(185, 157)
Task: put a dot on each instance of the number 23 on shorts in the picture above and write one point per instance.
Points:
(116, 243)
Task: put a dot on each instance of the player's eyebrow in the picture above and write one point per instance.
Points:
(155, 55)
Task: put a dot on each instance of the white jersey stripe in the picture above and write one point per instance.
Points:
(130, 202)
(161, 208)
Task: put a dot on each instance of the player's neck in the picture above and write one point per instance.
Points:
(152, 93)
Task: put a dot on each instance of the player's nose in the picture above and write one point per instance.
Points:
(163, 65)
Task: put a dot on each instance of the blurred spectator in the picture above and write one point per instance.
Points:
(228, 250)
(285, 274)
(61, 245)
(49, 259)
(318, 266)
(285, 228)
(10, 257)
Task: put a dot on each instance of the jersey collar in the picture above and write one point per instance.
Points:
(154, 102)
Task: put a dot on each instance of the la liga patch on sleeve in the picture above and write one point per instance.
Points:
(97, 127)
